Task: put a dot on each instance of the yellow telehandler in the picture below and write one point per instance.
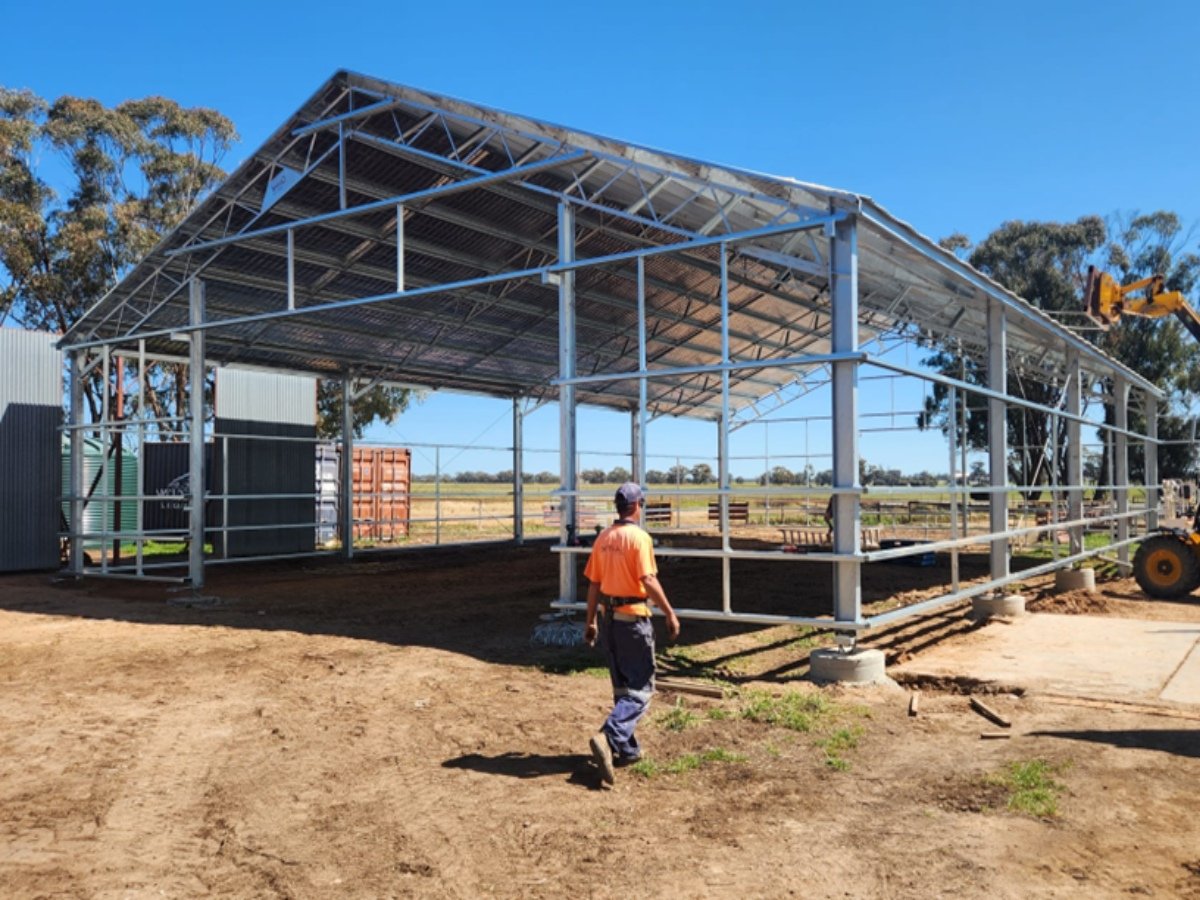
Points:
(1167, 563)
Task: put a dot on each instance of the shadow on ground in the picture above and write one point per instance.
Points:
(1176, 741)
(482, 600)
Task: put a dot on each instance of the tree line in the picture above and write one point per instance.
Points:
(703, 474)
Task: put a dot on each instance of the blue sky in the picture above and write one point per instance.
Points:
(956, 117)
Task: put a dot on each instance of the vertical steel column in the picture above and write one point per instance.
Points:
(1151, 462)
(518, 469)
(636, 449)
(639, 414)
(105, 489)
(1074, 450)
(956, 479)
(997, 438)
(723, 437)
(196, 435)
(567, 580)
(75, 369)
(843, 279)
(1120, 468)
(141, 457)
(346, 472)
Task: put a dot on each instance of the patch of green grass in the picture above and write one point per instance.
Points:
(717, 714)
(1031, 786)
(838, 742)
(678, 717)
(805, 639)
(799, 712)
(689, 762)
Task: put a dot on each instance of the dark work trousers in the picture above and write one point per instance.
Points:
(630, 650)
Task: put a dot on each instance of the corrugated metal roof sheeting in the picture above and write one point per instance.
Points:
(31, 373)
(265, 397)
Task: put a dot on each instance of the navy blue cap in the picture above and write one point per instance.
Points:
(628, 494)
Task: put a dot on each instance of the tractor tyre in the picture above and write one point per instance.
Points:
(1166, 567)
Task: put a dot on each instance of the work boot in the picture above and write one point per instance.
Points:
(602, 754)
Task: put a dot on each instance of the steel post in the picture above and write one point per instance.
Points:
(567, 579)
(997, 438)
(639, 414)
(346, 469)
(518, 469)
(75, 389)
(637, 455)
(1151, 461)
(196, 435)
(1074, 449)
(1120, 469)
(723, 436)
(843, 279)
(956, 478)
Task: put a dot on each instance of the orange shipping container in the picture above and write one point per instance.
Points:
(382, 477)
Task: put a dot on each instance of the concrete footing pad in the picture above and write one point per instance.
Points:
(997, 605)
(855, 667)
(1075, 580)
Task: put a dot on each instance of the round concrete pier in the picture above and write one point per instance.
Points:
(855, 667)
(1075, 580)
(997, 605)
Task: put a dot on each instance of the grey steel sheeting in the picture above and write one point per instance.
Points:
(31, 373)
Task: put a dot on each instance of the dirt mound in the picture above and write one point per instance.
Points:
(1071, 603)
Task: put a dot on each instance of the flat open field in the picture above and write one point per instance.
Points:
(386, 729)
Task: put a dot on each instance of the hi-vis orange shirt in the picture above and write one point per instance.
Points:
(621, 557)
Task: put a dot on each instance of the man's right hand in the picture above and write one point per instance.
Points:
(589, 634)
(672, 627)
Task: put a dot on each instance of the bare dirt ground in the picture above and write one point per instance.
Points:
(387, 729)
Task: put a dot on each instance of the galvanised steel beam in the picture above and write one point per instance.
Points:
(333, 121)
(1150, 464)
(196, 437)
(386, 276)
(847, 523)
(409, 200)
(997, 375)
(1120, 446)
(261, 283)
(518, 483)
(548, 250)
(75, 390)
(346, 468)
(567, 578)
(1022, 312)
(1074, 448)
(527, 197)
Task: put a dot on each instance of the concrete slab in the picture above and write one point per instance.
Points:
(1089, 656)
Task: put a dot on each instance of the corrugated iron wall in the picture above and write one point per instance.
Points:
(31, 373)
(251, 408)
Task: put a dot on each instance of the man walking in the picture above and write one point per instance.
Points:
(623, 576)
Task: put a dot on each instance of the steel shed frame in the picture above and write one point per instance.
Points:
(388, 235)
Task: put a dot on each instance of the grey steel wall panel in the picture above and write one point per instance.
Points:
(265, 405)
(30, 467)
